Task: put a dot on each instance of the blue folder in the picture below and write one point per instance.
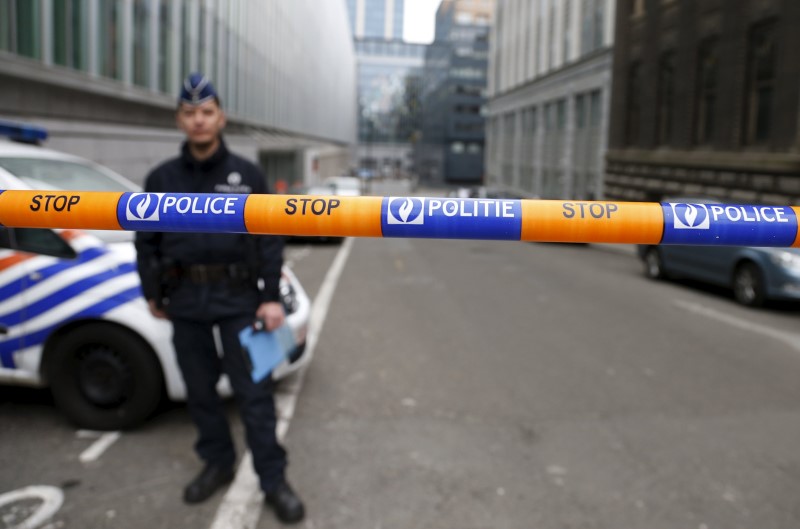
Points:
(266, 349)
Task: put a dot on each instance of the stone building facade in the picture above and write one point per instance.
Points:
(705, 101)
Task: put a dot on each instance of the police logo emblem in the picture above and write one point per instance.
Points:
(690, 217)
(143, 206)
(234, 179)
(405, 211)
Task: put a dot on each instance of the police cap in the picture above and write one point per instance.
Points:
(197, 89)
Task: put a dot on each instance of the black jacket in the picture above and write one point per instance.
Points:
(224, 172)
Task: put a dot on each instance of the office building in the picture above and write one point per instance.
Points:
(706, 101)
(451, 150)
(103, 77)
(389, 77)
(389, 109)
(376, 19)
(549, 86)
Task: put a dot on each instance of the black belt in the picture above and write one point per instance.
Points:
(213, 273)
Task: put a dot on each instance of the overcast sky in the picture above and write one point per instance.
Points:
(419, 20)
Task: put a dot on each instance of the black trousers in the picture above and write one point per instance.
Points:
(202, 367)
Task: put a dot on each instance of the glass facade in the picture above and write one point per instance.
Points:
(374, 19)
(456, 69)
(389, 84)
(110, 45)
(28, 42)
(378, 18)
(351, 14)
(398, 19)
(167, 47)
(70, 22)
(592, 24)
(151, 45)
(141, 42)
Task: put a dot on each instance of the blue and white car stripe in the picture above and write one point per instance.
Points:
(38, 337)
(88, 286)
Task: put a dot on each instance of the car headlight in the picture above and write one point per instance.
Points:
(787, 260)
(288, 297)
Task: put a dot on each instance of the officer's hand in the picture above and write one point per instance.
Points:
(271, 313)
(155, 311)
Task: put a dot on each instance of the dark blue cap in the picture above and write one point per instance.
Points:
(197, 89)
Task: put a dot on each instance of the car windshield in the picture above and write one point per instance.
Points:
(64, 175)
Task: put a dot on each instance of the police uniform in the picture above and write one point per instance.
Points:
(216, 279)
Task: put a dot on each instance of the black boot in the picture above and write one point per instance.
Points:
(206, 483)
(287, 505)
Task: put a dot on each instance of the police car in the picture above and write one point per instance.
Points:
(72, 316)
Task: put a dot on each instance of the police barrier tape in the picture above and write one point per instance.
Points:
(421, 217)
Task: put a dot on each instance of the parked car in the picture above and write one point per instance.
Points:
(344, 186)
(490, 192)
(72, 316)
(755, 274)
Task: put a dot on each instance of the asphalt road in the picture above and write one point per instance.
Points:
(471, 384)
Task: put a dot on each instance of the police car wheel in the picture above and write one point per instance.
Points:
(748, 285)
(104, 377)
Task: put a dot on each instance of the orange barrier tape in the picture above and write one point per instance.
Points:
(60, 209)
(423, 217)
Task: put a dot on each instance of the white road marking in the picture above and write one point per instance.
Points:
(297, 255)
(98, 447)
(241, 507)
(88, 434)
(51, 497)
(791, 339)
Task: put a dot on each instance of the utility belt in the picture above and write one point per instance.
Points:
(203, 274)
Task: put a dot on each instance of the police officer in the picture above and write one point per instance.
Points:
(223, 280)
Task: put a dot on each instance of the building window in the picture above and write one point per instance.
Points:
(28, 40)
(374, 20)
(567, 31)
(187, 42)
(110, 49)
(599, 22)
(587, 27)
(760, 83)
(593, 14)
(474, 148)
(580, 111)
(7, 27)
(549, 117)
(69, 30)
(596, 109)
(561, 114)
(706, 92)
(634, 105)
(530, 124)
(141, 42)
(637, 8)
(551, 38)
(666, 98)
(492, 140)
(166, 29)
